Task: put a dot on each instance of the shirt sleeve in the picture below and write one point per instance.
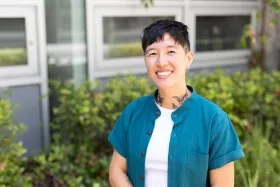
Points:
(224, 143)
(118, 135)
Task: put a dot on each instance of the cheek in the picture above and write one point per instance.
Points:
(149, 64)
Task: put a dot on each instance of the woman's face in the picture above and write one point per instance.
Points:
(166, 62)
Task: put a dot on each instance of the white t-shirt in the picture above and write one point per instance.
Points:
(156, 163)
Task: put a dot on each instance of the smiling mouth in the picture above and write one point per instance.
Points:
(163, 74)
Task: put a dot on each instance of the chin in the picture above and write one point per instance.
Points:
(163, 86)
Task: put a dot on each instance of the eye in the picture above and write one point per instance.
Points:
(171, 52)
(152, 54)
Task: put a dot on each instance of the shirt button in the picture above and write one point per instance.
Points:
(157, 113)
(142, 178)
(142, 153)
(149, 132)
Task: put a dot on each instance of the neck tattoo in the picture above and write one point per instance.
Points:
(179, 100)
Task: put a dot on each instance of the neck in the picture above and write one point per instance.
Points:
(172, 98)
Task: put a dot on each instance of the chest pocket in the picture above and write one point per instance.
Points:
(196, 170)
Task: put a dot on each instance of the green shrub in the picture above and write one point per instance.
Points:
(125, 50)
(11, 150)
(249, 98)
(80, 153)
(13, 56)
(261, 166)
(86, 113)
(65, 165)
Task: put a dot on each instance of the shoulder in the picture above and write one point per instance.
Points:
(208, 110)
(209, 107)
(138, 104)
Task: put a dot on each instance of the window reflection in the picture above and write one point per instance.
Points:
(12, 42)
(122, 35)
(66, 40)
(219, 32)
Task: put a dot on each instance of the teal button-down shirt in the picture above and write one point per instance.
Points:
(203, 138)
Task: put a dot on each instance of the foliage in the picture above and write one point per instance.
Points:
(125, 50)
(275, 5)
(65, 165)
(86, 113)
(147, 3)
(258, 38)
(80, 152)
(249, 98)
(11, 150)
(261, 166)
(13, 56)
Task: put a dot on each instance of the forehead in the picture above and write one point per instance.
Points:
(166, 41)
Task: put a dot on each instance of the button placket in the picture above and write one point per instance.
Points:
(158, 113)
(149, 132)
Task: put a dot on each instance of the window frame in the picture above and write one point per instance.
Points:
(29, 16)
(98, 65)
(220, 8)
(187, 11)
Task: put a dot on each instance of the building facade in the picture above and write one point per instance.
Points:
(88, 39)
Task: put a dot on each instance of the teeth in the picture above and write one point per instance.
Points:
(164, 73)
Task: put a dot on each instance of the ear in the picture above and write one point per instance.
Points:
(189, 58)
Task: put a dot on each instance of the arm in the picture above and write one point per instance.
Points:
(223, 176)
(118, 171)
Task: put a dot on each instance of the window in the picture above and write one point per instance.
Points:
(18, 42)
(114, 36)
(122, 35)
(217, 29)
(12, 42)
(215, 33)
(66, 40)
(114, 29)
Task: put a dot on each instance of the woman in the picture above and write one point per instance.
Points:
(173, 137)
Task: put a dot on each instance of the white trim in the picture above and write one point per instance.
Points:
(216, 11)
(29, 15)
(98, 15)
(113, 72)
(223, 5)
(121, 62)
(221, 55)
(90, 38)
(189, 20)
(19, 3)
(134, 3)
(219, 63)
(41, 29)
(209, 63)
(22, 81)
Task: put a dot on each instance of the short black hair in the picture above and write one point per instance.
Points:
(155, 32)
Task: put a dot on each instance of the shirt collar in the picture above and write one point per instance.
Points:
(155, 111)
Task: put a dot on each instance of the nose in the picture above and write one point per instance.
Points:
(162, 60)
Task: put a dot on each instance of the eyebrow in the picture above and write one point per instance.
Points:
(169, 46)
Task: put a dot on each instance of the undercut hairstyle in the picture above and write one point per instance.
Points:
(155, 32)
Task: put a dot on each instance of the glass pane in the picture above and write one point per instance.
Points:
(219, 32)
(122, 35)
(66, 40)
(12, 42)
